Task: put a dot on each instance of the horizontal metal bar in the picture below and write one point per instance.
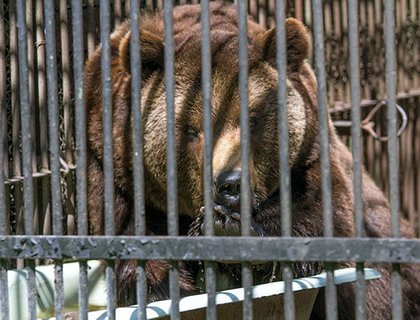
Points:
(212, 248)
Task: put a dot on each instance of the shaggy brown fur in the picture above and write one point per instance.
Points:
(264, 168)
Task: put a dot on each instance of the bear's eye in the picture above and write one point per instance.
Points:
(191, 133)
(253, 122)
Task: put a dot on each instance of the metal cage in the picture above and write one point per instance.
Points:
(365, 53)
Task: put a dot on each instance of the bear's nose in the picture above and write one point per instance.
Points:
(228, 186)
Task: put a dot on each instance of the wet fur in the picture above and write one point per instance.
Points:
(304, 151)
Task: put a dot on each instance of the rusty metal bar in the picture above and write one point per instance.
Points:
(206, 80)
(356, 142)
(245, 153)
(138, 165)
(108, 167)
(171, 173)
(25, 118)
(80, 126)
(4, 217)
(285, 185)
(54, 147)
(393, 152)
(317, 7)
(217, 248)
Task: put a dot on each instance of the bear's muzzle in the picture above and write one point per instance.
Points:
(227, 223)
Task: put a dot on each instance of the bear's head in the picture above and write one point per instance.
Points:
(225, 101)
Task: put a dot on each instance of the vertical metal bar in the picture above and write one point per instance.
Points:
(83, 289)
(331, 295)
(80, 125)
(25, 112)
(281, 53)
(4, 167)
(289, 301)
(247, 278)
(392, 115)
(285, 189)
(25, 116)
(54, 150)
(360, 291)
(4, 221)
(397, 304)
(206, 79)
(14, 79)
(31, 283)
(105, 17)
(80, 121)
(390, 68)
(110, 288)
(31, 81)
(105, 22)
(211, 280)
(173, 227)
(353, 31)
(172, 195)
(141, 290)
(67, 113)
(53, 120)
(138, 172)
(4, 291)
(29, 10)
(244, 119)
(44, 205)
(355, 114)
(323, 116)
(135, 65)
(17, 161)
(245, 153)
(59, 290)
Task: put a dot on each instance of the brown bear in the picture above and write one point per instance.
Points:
(304, 155)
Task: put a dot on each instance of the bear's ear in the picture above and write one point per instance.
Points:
(297, 39)
(151, 52)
